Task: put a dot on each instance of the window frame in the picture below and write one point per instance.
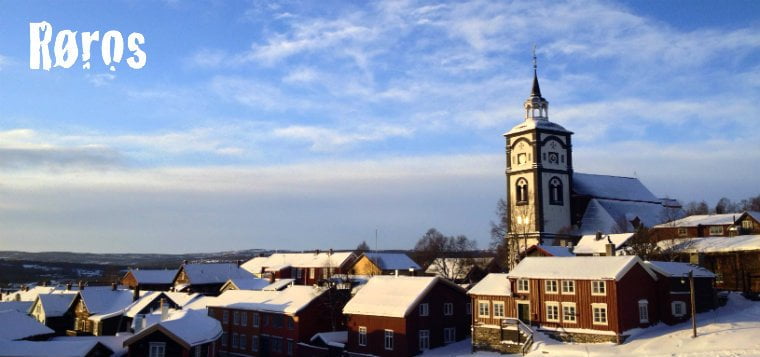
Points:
(236, 318)
(556, 194)
(683, 232)
(242, 342)
(600, 307)
(424, 309)
(643, 311)
(595, 288)
(256, 320)
(244, 318)
(161, 349)
(569, 305)
(481, 304)
(521, 191)
(448, 309)
(673, 305)
(502, 308)
(423, 335)
(226, 317)
(520, 288)
(449, 335)
(388, 340)
(551, 283)
(362, 335)
(570, 284)
(716, 230)
(548, 307)
(255, 343)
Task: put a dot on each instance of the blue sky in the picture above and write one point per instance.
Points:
(303, 125)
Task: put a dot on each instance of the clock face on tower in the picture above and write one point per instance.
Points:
(521, 158)
(553, 158)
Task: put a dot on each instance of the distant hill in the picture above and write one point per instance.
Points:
(131, 259)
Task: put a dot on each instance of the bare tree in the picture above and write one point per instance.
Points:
(518, 237)
(362, 247)
(433, 247)
(499, 243)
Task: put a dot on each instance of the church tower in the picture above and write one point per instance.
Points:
(539, 175)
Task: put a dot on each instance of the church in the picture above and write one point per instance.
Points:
(550, 204)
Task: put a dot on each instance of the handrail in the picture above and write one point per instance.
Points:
(521, 327)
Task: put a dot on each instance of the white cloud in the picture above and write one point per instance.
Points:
(324, 139)
(100, 79)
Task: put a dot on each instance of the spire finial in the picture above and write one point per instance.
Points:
(535, 66)
(535, 91)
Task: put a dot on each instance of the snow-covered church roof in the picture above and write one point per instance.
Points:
(612, 187)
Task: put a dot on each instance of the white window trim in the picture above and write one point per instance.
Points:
(572, 284)
(488, 308)
(426, 338)
(452, 335)
(503, 309)
(159, 345)
(604, 287)
(546, 310)
(448, 309)
(362, 333)
(255, 343)
(547, 284)
(424, 309)
(673, 308)
(386, 334)
(606, 314)
(683, 232)
(575, 312)
(718, 230)
(527, 285)
(645, 304)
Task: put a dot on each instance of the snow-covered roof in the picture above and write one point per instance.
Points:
(702, 219)
(103, 302)
(583, 268)
(248, 284)
(79, 348)
(181, 298)
(392, 261)
(714, 244)
(214, 273)
(676, 269)
(456, 268)
(556, 251)
(115, 343)
(186, 327)
(298, 260)
(753, 214)
(31, 294)
(335, 338)
(590, 245)
(279, 284)
(604, 215)
(18, 325)
(289, 301)
(531, 123)
(612, 187)
(56, 305)
(494, 284)
(20, 306)
(150, 276)
(392, 296)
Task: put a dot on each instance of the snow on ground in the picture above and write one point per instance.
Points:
(730, 331)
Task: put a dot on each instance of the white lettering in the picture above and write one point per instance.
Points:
(39, 47)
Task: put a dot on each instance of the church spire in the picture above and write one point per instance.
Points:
(536, 107)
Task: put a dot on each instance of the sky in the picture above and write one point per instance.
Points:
(315, 124)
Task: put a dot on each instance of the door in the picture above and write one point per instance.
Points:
(523, 312)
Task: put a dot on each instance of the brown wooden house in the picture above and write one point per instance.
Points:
(99, 310)
(582, 298)
(149, 279)
(54, 310)
(208, 278)
(304, 268)
(710, 225)
(674, 291)
(275, 323)
(404, 316)
(184, 333)
(384, 263)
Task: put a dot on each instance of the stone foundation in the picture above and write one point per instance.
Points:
(582, 337)
(494, 339)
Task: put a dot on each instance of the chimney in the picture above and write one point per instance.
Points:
(271, 278)
(68, 286)
(81, 285)
(239, 262)
(609, 249)
(164, 310)
(697, 259)
(598, 235)
(316, 252)
(136, 293)
(184, 262)
(113, 286)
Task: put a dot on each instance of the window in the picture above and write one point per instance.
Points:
(289, 348)
(498, 309)
(469, 308)
(568, 312)
(389, 340)
(555, 192)
(235, 340)
(362, 336)
(311, 273)
(448, 309)
(599, 312)
(276, 344)
(716, 230)
(747, 224)
(483, 309)
(522, 285)
(157, 349)
(568, 287)
(277, 321)
(266, 320)
(552, 311)
(424, 339)
(255, 319)
(678, 308)
(683, 232)
(299, 273)
(643, 311)
(424, 309)
(598, 288)
(243, 338)
(225, 317)
(521, 190)
(551, 286)
(254, 343)
(449, 334)
(197, 351)
(244, 318)
(236, 318)
(225, 336)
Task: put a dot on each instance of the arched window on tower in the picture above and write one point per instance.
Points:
(555, 191)
(521, 188)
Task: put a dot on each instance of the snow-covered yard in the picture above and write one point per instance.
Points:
(732, 330)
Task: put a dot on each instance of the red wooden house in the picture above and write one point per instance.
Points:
(583, 298)
(305, 268)
(403, 316)
(274, 323)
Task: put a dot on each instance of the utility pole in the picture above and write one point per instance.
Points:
(693, 305)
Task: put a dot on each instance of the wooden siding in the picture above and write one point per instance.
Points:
(365, 266)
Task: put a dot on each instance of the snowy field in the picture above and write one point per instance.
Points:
(730, 331)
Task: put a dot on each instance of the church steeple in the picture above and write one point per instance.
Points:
(536, 107)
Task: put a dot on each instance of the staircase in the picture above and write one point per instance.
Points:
(516, 331)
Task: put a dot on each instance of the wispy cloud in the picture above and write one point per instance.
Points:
(324, 139)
